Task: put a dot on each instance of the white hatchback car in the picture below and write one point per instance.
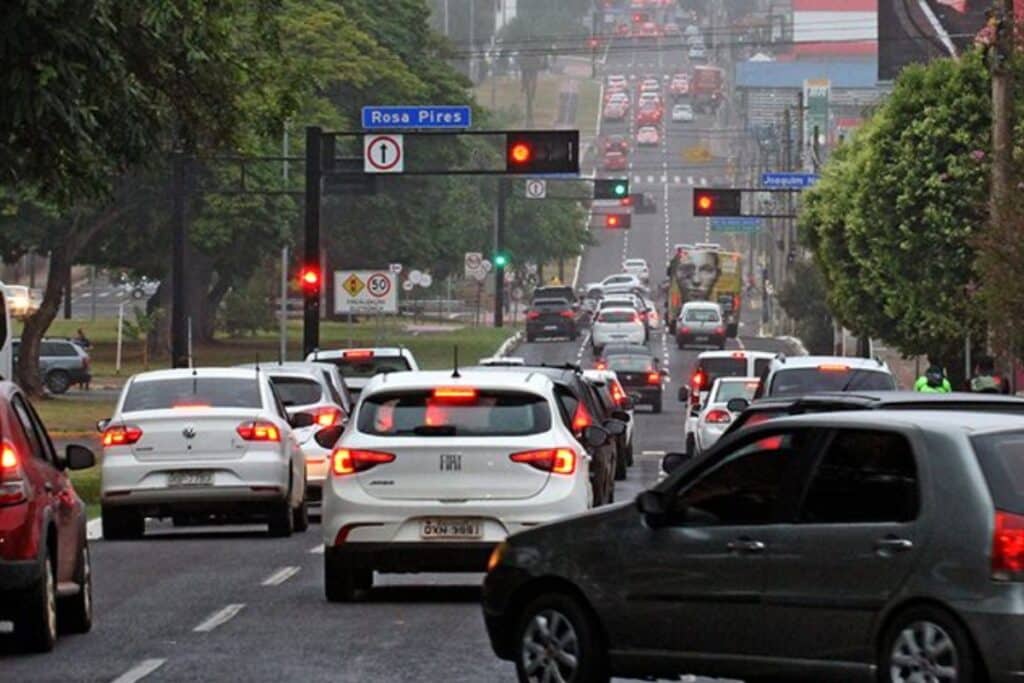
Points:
(715, 415)
(436, 469)
(638, 267)
(359, 365)
(617, 325)
(197, 444)
(624, 280)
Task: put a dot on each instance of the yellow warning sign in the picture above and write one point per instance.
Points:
(353, 285)
(697, 153)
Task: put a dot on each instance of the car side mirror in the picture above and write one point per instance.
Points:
(79, 457)
(621, 416)
(300, 420)
(684, 394)
(615, 427)
(673, 461)
(329, 436)
(627, 403)
(101, 425)
(737, 405)
(594, 436)
(653, 506)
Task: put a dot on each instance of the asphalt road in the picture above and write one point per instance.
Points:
(230, 604)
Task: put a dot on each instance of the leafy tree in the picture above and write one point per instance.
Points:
(803, 297)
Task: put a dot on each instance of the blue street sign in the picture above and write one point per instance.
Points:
(795, 181)
(432, 116)
(735, 224)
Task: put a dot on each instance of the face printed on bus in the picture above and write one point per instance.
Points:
(705, 273)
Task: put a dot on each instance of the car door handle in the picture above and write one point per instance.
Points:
(888, 546)
(745, 545)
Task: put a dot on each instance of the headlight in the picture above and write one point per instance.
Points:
(497, 555)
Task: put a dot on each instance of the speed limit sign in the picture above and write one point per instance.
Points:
(379, 284)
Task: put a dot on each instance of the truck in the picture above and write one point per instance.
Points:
(705, 272)
(706, 88)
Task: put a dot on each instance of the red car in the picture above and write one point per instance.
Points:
(614, 111)
(616, 143)
(615, 161)
(45, 572)
(649, 115)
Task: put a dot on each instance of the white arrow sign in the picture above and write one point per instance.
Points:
(383, 154)
(536, 189)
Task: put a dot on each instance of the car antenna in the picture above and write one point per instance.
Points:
(455, 362)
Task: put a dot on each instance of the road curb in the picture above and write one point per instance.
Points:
(509, 344)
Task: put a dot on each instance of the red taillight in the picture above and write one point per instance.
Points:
(258, 430)
(581, 418)
(566, 314)
(654, 378)
(833, 367)
(697, 381)
(718, 417)
(349, 461)
(12, 486)
(719, 330)
(636, 318)
(532, 315)
(555, 460)
(327, 416)
(601, 365)
(618, 393)
(684, 330)
(1008, 547)
(121, 435)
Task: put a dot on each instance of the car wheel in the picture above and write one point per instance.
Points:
(300, 517)
(656, 406)
(121, 523)
(76, 610)
(281, 523)
(37, 629)
(558, 641)
(58, 381)
(925, 643)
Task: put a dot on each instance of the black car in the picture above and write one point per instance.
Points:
(640, 376)
(614, 402)
(580, 409)
(766, 409)
(551, 318)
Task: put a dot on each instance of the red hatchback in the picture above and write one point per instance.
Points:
(45, 573)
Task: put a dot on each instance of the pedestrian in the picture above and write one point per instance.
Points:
(81, 339)
(986, 380)
(933, 381)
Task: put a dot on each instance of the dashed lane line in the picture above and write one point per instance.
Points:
(280, 576)
(219, 618)
(317, 550)
(140, 670)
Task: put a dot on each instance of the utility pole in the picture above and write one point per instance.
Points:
(311, 248)
(1002, 111)
(788, 222)
(283, 307)
(179, 319)
(499, 251)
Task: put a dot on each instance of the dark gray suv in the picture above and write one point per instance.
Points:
(62, 364)
(873, 545)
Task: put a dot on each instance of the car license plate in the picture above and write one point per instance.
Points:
(550, 327)
(702, 338)
(451, 527)
(186, 478)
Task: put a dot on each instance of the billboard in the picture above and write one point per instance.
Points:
(921, 30)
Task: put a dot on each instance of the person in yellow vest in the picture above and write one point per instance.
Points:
(933, 381)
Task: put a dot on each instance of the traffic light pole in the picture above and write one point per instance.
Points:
(499, 248)
(179, 317)
(311, 248)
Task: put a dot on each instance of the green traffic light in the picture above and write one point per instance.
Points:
(500, 260)
(621, 189)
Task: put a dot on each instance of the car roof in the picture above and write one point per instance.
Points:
(377, 351)
(701, 304)
(935, 420)
(854, 362)
(735, 353)
(284, 371)
(480, 378)
(617, 309)
(869, 399)
(183, 373)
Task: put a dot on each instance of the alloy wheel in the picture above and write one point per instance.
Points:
(51, 599)
(550, 648)
(924, 653)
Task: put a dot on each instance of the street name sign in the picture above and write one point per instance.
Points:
(795, 181)
(406, 117)
(735, 224)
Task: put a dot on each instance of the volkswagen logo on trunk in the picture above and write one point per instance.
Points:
(189, 432)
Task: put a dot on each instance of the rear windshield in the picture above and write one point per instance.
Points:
(713, 368)
(631, 363)
(702, 315)
(485, 413)
(550, 303)
(617, 317)
(369, 366)
(185, 392)
(297, 391)
(806, 380)
(554, 293)
(1001, 457)
(730, 390)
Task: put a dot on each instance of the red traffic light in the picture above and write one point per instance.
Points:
(542, 151)
(616, 221)
(520, 153)
(705, 203)
(309, 278)
(717, 202)
(592, 42)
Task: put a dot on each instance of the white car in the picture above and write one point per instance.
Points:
(358, 366)
(638, 267)
(697, 52)
(502, 361)
(617, 325)
(649, 98)
(715, 415)
(617, 81)
(201, 443)
(437, 469)
(682, 112)
(796, 375)
(624, 280)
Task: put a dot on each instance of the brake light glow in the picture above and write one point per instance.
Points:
(567, 314)
(187, 404)
(532, 315)
(718, 417)
(719, 330)
(601, 365)
(360, 354)
(121, 435)
(636, 318)
(833, 367)
(739, 354)
(554, 460)
(697, 381)
(346, 461)
(654, 378)
(1008, 547)
(12, 486)
(618, 393)
(259, 430)
(327, 416)
(8, 458)
(455, 393)
(581, 418)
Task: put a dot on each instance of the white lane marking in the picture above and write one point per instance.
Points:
(219, 618)
(650, 179)
(280, 576)
(689, 180)
(140, 671)
(649, 454)
(638, 179)
(703, 181)
(676, 179)
(6, 627)
(317, 550)
(94, 529)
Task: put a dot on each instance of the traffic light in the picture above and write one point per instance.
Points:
(309, 279)
(627, 201)
(640, 17)
(544, 151)
(615, 188)
(617, 221)
(500, 260)
(716, 202)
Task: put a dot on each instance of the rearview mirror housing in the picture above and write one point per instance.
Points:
(328, 436)
(684, 394)
(300, 420)
(621, 416)
(737, 405)
(79, 457)
(101, 425)
(615, 427)
(673, 461)
(594, 436)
